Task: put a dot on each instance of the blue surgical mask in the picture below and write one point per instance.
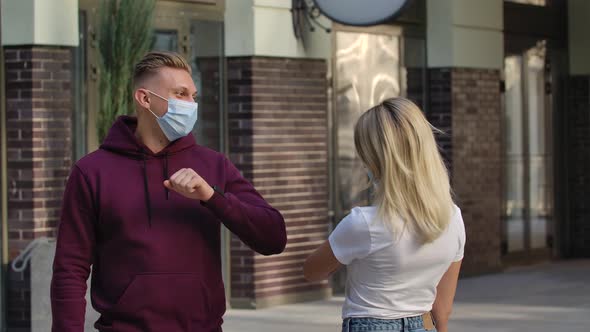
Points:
(180, 119)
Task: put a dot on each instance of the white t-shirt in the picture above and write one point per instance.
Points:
(391, 277)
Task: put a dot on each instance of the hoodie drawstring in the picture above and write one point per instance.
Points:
(146, 189)
(166, 175)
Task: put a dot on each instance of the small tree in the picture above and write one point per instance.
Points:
(125, 35)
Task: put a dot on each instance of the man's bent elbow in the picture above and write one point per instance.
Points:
(274, 246)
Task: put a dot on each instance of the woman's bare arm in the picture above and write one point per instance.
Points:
(321, 263)
(445, 294)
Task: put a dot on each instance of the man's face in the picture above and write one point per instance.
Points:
(170, 83)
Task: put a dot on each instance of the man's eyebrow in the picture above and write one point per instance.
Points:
(184, 88)
(180, 87)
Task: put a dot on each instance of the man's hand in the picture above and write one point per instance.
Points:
(190, 184)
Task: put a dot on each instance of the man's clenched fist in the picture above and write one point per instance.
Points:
(190, 184)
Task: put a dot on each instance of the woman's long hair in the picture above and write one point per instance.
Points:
(396, 143)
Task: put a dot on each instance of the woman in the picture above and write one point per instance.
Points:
(403, 254)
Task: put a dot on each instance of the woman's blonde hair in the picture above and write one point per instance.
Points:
(396, 143)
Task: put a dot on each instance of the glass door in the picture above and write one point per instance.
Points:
(528, 158)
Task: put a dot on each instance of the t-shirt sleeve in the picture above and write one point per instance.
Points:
(351, 239)
(458, 220)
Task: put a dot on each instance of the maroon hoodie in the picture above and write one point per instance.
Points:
(155, 255)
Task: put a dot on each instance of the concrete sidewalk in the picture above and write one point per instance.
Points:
(542, 298)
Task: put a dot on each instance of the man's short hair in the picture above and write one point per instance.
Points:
(153, 61)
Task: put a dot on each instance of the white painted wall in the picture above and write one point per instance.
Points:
(439, 33)
(473, 48)
(239, 27)
(265, 28)
(40, 22)
(17, 22)
(465, 33)
(478, 13)
(273, 31)
(579, 39)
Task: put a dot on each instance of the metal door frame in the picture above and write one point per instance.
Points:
(3, 190)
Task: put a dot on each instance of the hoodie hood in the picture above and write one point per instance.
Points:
(121, 140)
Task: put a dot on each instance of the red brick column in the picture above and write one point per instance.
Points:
(465, 103)
(279, 140)
(38, 113)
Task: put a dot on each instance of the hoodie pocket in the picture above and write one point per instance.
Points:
(162, 302)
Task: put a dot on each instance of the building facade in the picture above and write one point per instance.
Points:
(507, 81)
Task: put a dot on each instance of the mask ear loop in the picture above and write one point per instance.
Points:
(157, 117)
(157, 95)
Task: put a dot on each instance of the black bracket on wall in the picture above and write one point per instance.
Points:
(305, 15)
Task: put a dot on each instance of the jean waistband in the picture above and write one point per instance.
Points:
(376, 324)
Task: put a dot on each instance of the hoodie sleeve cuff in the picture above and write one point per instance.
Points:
(217, 204)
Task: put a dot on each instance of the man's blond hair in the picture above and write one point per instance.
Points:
(153, 61)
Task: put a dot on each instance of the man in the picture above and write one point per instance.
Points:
(153, 240)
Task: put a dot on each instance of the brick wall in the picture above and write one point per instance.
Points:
(38, 113)
(439, 111)
(578, 120)
(416, 85)
(278, 138)
(465, 103)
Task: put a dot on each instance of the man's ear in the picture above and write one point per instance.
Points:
(142, 98)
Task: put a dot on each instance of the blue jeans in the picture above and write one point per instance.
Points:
(410, 324)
